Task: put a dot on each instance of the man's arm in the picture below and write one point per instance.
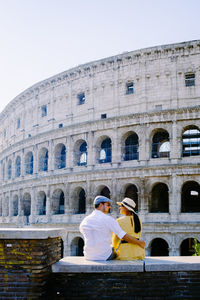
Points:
(130, 239)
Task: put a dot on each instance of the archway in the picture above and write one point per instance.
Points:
(159, 247)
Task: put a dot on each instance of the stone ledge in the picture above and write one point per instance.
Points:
(172, 263)
(78, 264)
(30, 233)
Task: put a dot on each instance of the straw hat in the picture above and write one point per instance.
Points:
(128, 203)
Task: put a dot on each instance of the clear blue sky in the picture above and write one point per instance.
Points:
(40, 38)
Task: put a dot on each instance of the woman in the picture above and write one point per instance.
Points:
(131, 224)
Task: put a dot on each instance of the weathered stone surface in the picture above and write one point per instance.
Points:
(74, 264)
(173, 263)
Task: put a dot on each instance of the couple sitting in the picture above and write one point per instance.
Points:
(100, 229)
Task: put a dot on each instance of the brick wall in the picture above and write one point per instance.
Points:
(25, 265)
(126, 286)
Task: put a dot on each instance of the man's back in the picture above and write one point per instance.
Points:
(97, 230)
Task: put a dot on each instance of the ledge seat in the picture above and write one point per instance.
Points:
(78, 264)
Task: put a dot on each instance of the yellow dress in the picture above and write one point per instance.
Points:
(127, 251)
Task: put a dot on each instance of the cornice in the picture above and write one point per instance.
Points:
(90, 68)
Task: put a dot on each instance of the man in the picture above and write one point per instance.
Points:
(97, 229)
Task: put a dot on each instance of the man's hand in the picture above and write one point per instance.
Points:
(132, 240)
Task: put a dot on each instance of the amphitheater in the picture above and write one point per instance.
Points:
(127, 125)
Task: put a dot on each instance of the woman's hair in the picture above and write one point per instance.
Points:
(137, 222)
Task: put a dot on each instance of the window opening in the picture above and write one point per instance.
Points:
(129, 88)
(18, 123)
(18, 167)
(81, 98)
(186, 248)
(160, 145)
(44, 110)
(43, 160)
(105, 151)
(9, 169)
(190, 79)
(29, 163)
(103, 116)
(130, 150)
(82, 160)
(191, 142)
(60, 156)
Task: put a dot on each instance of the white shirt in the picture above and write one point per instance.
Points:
(97, 229)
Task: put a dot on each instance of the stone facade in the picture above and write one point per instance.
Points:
(127, 125)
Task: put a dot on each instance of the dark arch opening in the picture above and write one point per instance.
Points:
(105, 151)
(186, 248)
(190, 197)
(81, 202)
(132, 193)
(77, 247)
(105, 192)
(160, 144)
(159, 247)
(131, 147)
(159, 198)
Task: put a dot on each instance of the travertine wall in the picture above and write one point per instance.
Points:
(49, 113)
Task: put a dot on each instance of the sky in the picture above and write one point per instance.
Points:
(41, 38)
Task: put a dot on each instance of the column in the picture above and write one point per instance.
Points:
(116, 149)
(69, 159)
(174, 199)
(22, 163)
(175, 143)
(90, 150)
(48, 203)
(51, 157)
(35, 160)
(33, 205)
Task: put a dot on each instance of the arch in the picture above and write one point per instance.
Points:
(186, 247)
(9, 169)
(58, 202)
(60, 156)
(82, 202)
(190, 197)
(77, 246)
(159, 247)
(160, 144)
(79, 200)
(41, 203)
(130, 148)
(159, 201)
(105, 151)
(18, 166)
(191, 141)
(80, 153)
(29, 163)
(26, 204)
(43, 160)
(104, 191)
(131, 191)
(15, 205)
